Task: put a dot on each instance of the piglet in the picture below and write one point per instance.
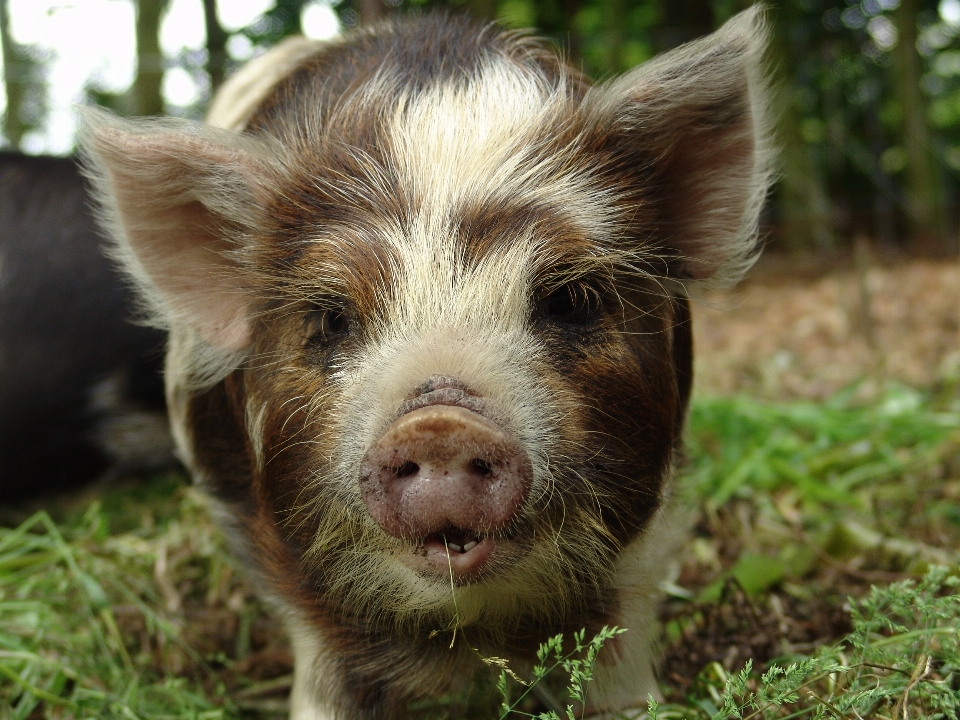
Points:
(430, 355)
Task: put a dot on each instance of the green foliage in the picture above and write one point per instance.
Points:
(838, 481)
(844, 485)
(868, 101)
(901, 660)
(95, 617)
(828, 452)
(576, 664)
(64, 592)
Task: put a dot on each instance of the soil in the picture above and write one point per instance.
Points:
(808, 328)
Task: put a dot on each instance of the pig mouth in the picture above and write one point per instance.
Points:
(462, 555)
(456, 539)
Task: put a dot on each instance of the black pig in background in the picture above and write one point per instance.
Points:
(81, 390)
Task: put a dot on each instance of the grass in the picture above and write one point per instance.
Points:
(863, 488)
(818, 584)
(72, 600)
(901, 659)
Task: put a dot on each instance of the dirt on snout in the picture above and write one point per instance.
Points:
(807, 328)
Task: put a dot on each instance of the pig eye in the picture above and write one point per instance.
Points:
(335, 322)
(572, 304)
(327, 324)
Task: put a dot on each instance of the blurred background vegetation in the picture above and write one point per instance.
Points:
(868, 92)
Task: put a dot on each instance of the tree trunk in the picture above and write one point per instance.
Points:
(803, 198)
(924, 195)
(370, 11)
(482, 9)
(216, 45)
(574, 41)
(613, 35)
(148, 85)
(13, 125)
(804, 202)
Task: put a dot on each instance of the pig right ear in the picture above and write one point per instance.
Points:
(176, 196)
(692, 130)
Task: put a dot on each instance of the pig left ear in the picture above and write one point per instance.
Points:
(692, 133)
(177, 197)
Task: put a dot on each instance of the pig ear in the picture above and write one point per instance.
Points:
(177, 196)
(692, 125)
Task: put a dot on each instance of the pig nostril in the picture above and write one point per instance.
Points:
(407, 469)
(483, 466)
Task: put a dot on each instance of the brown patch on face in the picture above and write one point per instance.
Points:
(624, 377)
(326, 222)
(412, 54)
(489, 229)
(216, 420)
(226, 460)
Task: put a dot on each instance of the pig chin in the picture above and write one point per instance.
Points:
(448, 479)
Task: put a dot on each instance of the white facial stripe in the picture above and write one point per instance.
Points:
(460, 146)
(434, 288)
(480, 141)
(475, 143)
(464, 140)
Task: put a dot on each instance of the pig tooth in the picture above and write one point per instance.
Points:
(454, 547)
(470, 546)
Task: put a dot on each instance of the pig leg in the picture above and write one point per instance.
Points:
(308, 663)
(625, 676)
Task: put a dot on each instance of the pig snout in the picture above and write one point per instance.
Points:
(446, 475)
